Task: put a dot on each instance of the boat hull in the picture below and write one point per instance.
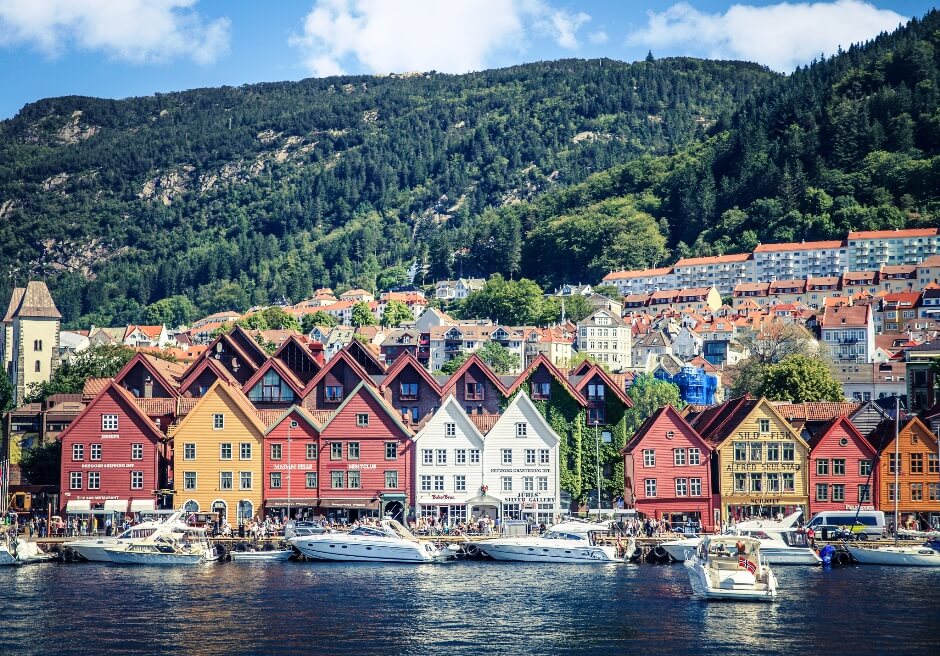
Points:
(92, 550)
(792, 556)
(136, 558)
(701, 588)
(6, 558)
(261, 556)
(525, 552)
(898, 556)
(333, 549)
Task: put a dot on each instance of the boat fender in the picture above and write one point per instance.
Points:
(660, 552)
(473, 550)
(841, 559)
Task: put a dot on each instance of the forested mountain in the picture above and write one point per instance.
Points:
(559, 170)
(237, 196)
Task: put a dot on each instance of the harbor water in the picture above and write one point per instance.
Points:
(456, 608)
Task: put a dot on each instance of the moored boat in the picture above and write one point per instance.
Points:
(166, 548)
(388, 542)
(98, 549)
(261, 556)
(555, 547)
(925, 555)
(731, 568)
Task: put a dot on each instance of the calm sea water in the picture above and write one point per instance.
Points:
(457, 608)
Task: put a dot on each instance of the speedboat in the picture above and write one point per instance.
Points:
(731, 567)
(567, 542)
(166, 548)
(681, 549)
(301, 528)
(925, 555)
(261, 556)
(14, 551)
(387, 542)
(97, 549)
(785, 547)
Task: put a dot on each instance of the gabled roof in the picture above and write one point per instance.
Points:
(651, 421)
(441, 414)
(341, 356)
(153, 332)
(846, 424)
(286, 375)
(365, 357)
(596, 370)
(582, 368)
(371, 391)
(149, 362)
(127, 402)
(541, 361)
(725, 429)
(530, 411)
(15, 299)
(406, 359)
(474, 359)
(34, 301)
(230, 390)
(221, 373)
(94, 386)
(301, 412)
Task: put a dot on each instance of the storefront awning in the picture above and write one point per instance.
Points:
(294, 502)
(352, 504)
(143, 505)
(485, 500)
(116, 505)
(78, 506)
(392, 496)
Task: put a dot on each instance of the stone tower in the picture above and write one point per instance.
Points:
(30, 337)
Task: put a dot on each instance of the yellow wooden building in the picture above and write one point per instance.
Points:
(217, 456)
(760, 460)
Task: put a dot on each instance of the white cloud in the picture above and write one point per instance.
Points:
(453, 36)
(138, 31)
(782, 36)
(598, 38)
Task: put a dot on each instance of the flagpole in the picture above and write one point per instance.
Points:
(897, 463)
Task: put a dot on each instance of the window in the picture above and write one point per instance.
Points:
(474, 456)
(757, 451)
(352, 450)
(544, 456)
(275, 480)
(740, 483)
(438, 483)
(695, 456)
(763, 425)
(773, 482)
(932, 463)
(391, 479)
(311, 453)
(450, 429)
(333, 394)
(189, 480)
(695, 487)
(75, 480)
(408, 392)
(336, 479)
(740, 451)
(137, 480)
(336, 450)
(528, 484)
(226, 480)
(362, 420)
(312, 481)
(933, 491)
(460, 483)
(473, 391)
(94, 452)
(530, 456)
(78, 452)
(789, 451)
(244, 451)
(109, 422)
(137, 451)
(442, 456)
(542, 483)
(892, 463)
(541, 391)
(838, 467)
(917, 490)
(678, 457)
(822, 467)
(649, 457)
(225, 451)
(650, 487)
(773, 452)
(596, 392)
(276, 451)
(352, 480)
(757, 482)
(917, 461)
(460, 456)
(37, 344)
(892, 490)
(789, 482)
(864, 467)
(218, 421)
(391, 450)
(822, 492)
(507, 456)
(521, 430)
(244, 480)
(682, 487)
(838, 493)
(425, 483)
(864, 494)
(506, 483)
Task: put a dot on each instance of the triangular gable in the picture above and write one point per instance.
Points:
(843, 422)
(524, 404)
(231, 391)
(402, 362)
(211, 352)
(762, 402)
(239, 337)
(300, 412)
(220, 372)
(678, 419)
(293, 343)
(365, 357)
(596, 370)
(282, 371)
(441, 416)
(474, 360)
(341, 356)
(370, 392)
(582, 368)
(541, 361)
(126, 401)
(140, 359)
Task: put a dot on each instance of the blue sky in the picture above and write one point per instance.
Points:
(120, 48)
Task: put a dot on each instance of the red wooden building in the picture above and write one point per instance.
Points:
(112, 458)
(841, 460)
(667, 471)
(291, 465)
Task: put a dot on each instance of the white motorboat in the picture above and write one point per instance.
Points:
(166, 548)
(301, 528)
(783, 547)
(8, 544)
(16, 551)
(261, 556)
(682, 549)
(97, 548)
(568, 542)
(925, 555)
(388, 542)
(731, 567)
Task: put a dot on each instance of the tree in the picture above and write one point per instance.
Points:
(42, 465)
(798, 378)
(610, 291)
(362, 315)
(507, 302)
(501, 360)
(649, 395)
(7, 393)
(173, 311)
(577, 307)
(776, 340)
(318, 318)
(581, 356)
(747, 377)
(94, 362)
(271, 318)
(454, 364)
(395, 313)
(224, 329)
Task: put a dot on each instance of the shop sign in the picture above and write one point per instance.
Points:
(762, 466)
(107, 465)
(111, 436)
(302, 467)
(361, 465)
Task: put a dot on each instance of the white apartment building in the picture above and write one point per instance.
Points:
(641, 282)
(873, 248)
(799, 260)
(607, 338)
(720, 271)
(848, 331)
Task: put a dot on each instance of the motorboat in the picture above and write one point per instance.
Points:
(567, 542)
(681, 549)
(731, 567)
(15, 551)
(253, 555)
(925, 555)
(8, 544)
(96, 549)
(302, 528)
(386, 542)
(166, 548)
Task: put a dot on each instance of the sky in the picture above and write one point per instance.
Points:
(121, 48)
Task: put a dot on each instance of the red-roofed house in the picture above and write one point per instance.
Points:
(146, 336)
(849, 333)
(840, 470)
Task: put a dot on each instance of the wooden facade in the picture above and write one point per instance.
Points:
(918, 476)
(411, 390)
(291, 464)
(842, 475)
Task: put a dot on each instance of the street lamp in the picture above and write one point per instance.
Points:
(292, 424)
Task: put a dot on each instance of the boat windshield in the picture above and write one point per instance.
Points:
(368, 530)
(558, 535)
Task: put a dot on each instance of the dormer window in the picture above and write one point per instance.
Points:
(409, 392)
(333, 393)
(474, 392)
(541, 391)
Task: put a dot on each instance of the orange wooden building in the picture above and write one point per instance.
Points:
(918, 476)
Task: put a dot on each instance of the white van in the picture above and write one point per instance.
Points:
(869, 523)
